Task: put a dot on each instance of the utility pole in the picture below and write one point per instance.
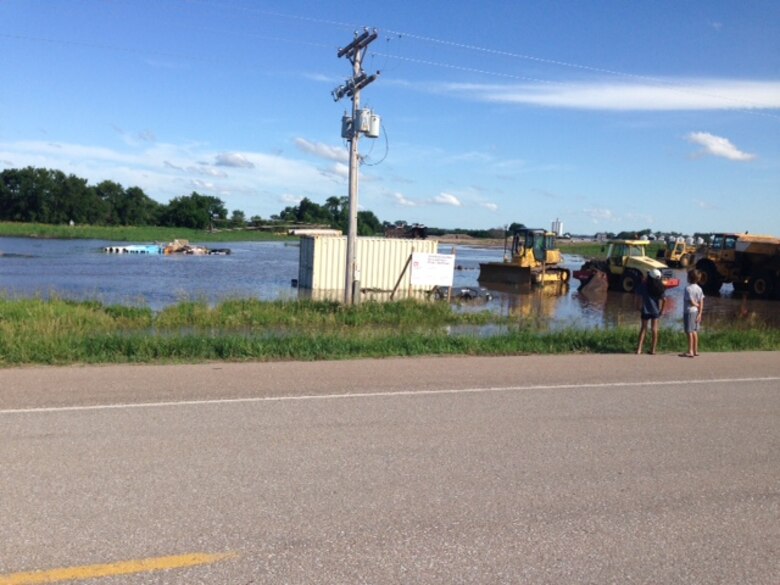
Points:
(351, 130)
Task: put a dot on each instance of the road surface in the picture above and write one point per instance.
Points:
(555, 469)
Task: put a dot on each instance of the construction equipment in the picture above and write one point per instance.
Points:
(410, 232)
(750, 263)
(625, 265)
(679, 253)
(532, 259)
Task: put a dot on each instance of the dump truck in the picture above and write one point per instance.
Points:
(625, 265)
(751, 263)
(678, 253)
(532, 258)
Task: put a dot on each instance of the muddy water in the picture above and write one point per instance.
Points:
(77, 269)
(558, 306)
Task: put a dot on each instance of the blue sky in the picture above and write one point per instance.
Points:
(609, 115)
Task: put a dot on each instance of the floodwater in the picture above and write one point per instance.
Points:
(79, 270)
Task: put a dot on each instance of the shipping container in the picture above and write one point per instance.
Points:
(380, 262)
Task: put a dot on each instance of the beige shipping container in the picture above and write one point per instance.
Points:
(380, 262)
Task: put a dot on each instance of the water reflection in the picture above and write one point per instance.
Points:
(77, 269)
(559, 307)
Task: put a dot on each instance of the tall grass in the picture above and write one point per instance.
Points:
(35, 331)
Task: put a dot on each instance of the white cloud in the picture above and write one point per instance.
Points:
(470, 157)
(490, 206)
(648, 95)
(401, 200)
(233, 159)
(599, 215)
(335, 153)
(447, 199)
(208, 171)
(291, 199)
(203, 185)
(338, 170)
(701, 204)
(718, 146)
(147, 136)
(200, 169)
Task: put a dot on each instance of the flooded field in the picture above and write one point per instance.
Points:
(564, 306)
(77, 269)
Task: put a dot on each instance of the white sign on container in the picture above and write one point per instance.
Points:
(432, 269)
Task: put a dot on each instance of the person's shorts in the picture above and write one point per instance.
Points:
(649, 316)
(690, 323)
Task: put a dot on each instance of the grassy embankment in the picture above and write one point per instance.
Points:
(132, 234)
(34, 331)
(163, 234)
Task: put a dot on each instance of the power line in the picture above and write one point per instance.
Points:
(746, 105)
(740, 104)
(103, 46)
(274, 13)
(743, 105)
(464, 68)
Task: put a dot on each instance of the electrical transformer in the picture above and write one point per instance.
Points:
(368, 123)
(346, 127)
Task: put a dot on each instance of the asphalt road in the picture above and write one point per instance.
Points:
(559, 469)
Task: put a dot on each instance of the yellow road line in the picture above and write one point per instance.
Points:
(112, 569)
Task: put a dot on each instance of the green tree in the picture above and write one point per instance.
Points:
(193, 211)
(127, 206)
(67, 199)
(238, 218)
(19, 195)
(338, 208)
(139, 208)
(306, 212)
(112, 195)
(368, 224)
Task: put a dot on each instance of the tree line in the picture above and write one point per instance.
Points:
(50, 196)
(39, 195)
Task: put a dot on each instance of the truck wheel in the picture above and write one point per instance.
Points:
(762, 285)
(711, 280)
(629, 282)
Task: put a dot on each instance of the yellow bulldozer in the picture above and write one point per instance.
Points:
(532, 258)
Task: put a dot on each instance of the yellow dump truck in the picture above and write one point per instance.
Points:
(751, 263)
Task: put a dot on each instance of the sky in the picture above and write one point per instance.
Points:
(607, 115)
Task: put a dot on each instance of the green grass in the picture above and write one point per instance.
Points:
(133, 234)
(597, 249)
(35, 331)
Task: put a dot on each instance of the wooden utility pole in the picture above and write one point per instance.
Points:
(354, 52)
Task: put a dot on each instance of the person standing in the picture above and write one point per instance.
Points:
(650, 301)
(693, 308)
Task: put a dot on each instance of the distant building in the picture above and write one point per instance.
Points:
(557, 227)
